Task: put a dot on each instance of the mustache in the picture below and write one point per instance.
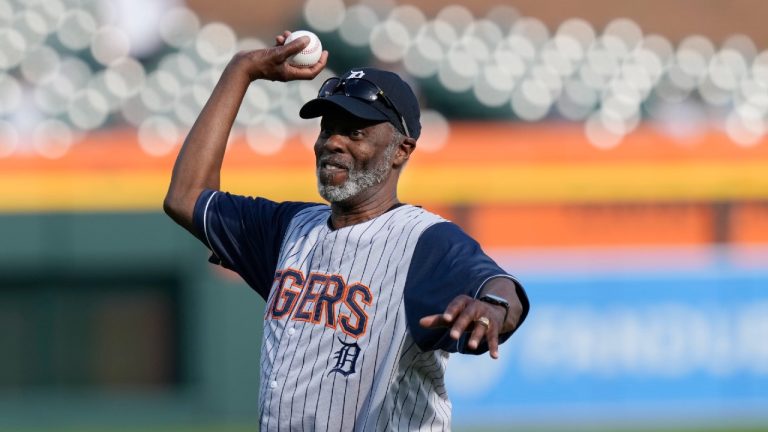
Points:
(336, 161)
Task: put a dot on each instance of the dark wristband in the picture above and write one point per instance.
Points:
(498, 301)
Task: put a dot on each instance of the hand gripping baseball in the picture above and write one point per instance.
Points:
(272, 63)
(465, 314)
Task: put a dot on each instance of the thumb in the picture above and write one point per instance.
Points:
(294, 47)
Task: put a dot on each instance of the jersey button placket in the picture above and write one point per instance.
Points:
(290, 331)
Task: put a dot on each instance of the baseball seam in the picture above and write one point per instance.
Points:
(310, 49)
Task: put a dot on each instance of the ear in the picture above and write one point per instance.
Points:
(403, 151)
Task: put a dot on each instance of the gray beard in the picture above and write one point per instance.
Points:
(358, 180)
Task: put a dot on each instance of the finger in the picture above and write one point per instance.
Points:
(280, 39)
(492, 337)
(308, 73)
(462, 322)
(477, 335)
(455, 307)
(433, 321)
(320, 65)
(294, 47)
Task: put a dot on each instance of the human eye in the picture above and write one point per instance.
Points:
(356, 133)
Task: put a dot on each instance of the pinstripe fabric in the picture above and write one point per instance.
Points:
(307, 381)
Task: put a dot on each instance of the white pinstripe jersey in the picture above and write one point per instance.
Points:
(342, 350)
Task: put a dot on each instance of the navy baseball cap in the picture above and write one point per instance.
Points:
(352, 93)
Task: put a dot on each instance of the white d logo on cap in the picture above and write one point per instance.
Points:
(356, 74)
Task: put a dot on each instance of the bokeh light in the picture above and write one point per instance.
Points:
(493, 87)
(435, 131)
(125, 77)
(14, 47)
(158, 135)
(578, 30)
(77, 71)
(577, 100)
(600, 131)
(216, 43)
(76, 29)
(746, 126)
(514, 54)
(485, 30)
(180, 25)
(531, 100)
(9, 138)
(457, 16)
(10, 94)
(160, 90)
(32, 26)
(267, 136)
(52, 138)
(532, 29)
(53, 96)
(6, 12)
(423, 58)
(324, 15)
(693, 56)
(110, 44)
(621, 36)
(357, 24)
(458, 69)
(389, 41)
(88, 109)
(40, 64)
(503, 15)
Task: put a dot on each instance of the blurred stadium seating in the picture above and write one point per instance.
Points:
(621, 174)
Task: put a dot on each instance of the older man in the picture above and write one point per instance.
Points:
(366, 296)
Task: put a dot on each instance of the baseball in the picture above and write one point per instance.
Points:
(309, 55)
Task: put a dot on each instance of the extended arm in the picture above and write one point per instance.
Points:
(449, 272)
(198, 165)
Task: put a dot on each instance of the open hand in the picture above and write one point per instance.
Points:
(464, 314)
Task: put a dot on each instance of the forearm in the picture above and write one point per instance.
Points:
(198, 164)
(506, 289)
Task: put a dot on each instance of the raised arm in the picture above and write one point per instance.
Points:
(198, 164)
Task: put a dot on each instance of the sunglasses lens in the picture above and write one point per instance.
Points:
(329, 87)
(361, 89)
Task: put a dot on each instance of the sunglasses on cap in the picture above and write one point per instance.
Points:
(359, 88)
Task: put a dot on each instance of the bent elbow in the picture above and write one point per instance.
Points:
(168, 205)
(180, 208)
(173, 207)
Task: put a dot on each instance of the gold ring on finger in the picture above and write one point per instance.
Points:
(483, 321)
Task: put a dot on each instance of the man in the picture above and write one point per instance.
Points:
(365, 297)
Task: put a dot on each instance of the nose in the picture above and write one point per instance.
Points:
(334, 143)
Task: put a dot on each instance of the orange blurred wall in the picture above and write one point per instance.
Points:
(510, 185)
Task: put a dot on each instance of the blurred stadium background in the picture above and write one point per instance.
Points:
(612, 154)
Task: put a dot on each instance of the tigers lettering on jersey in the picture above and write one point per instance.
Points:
(321, 298)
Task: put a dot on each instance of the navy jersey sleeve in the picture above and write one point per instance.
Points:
(446, 263)
(244, 234)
